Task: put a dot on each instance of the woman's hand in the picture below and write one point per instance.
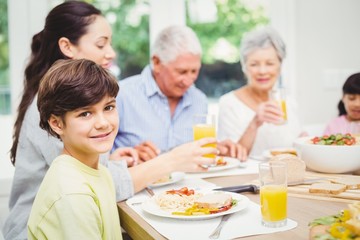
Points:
(126, 153)
(188, 157)
(269, 112)
(230, 149)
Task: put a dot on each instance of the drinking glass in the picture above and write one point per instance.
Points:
(354, 128)
(204, 125)
(279, 95)
(273, 193)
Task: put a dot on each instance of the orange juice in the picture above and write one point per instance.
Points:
(202, 131)
(283, 108)
(273, 200)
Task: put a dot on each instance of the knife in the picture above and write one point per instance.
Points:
(240, 188)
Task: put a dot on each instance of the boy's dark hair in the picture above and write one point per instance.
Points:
(72, 84)
(351, 86)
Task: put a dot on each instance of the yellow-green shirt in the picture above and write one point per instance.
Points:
(75, 201)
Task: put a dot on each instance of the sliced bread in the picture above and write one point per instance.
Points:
(295, 166)
(329, 188)
(214, 200)
(350, 182)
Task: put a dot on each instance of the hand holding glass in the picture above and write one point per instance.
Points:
(279, 95)
(204, 126)
(273, 193)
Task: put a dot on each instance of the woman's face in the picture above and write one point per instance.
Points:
(262, 68)
(352, 106)
(95, 45)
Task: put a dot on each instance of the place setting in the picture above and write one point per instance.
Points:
(209, 213)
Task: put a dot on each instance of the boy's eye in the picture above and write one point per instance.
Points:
(110, 107)
(84, 114)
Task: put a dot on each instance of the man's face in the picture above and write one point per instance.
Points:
(174, 78)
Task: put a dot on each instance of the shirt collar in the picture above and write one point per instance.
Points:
(151, 87)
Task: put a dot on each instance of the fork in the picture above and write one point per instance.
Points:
(150, 191)
(216, 233)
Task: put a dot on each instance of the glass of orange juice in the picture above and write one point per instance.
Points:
(273, 193)
(204, 125)
(279, 95)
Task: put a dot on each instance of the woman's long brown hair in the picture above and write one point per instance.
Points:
(69, 19)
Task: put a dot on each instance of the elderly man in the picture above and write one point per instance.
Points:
(157, 106)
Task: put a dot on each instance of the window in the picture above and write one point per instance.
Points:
(219, 25)
(5, 100)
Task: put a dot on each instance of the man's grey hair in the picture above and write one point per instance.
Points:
(261, 38)
(174, 41)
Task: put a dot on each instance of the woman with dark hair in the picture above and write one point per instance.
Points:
(348, 120)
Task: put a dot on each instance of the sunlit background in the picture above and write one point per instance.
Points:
(322, 39)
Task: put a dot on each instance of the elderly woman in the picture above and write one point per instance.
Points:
(247, 114)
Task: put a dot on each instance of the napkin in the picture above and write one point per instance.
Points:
(248, 167)
(243, 223)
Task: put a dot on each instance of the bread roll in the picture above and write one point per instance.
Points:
(295, 167)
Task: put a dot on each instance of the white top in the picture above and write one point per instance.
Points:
(235, 116)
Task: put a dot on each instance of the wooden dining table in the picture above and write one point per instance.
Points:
(300, 209)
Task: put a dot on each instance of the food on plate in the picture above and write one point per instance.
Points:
(177, 200)
(221, 161)
(352, 182)
(328, 188)
(295, 166)
(285, 151)
(188, 202)
(335, 139)
(344, 225)
(209, 204)
(164, 179)
(182, 191)
(214, 200)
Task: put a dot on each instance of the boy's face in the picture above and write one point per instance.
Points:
(91, 130)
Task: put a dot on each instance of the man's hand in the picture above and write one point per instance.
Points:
(230, 149)
(147, 150)
(128, 154)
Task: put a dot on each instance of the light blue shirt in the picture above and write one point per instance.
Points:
(145, 115)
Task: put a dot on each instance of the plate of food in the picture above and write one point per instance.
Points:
(268, 154)
(223, 163)
(192, 204)
(169, 179)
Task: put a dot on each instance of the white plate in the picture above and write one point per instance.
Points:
(175, 177)
(150, 206)
(231, 163)
(267, 154)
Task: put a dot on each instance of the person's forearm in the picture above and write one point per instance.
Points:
(248, 138)
(146, 173)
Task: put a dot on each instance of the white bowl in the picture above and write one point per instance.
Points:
(328, 158)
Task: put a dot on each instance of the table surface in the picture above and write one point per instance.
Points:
(301, 210)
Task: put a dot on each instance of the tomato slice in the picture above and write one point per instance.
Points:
(182, 191)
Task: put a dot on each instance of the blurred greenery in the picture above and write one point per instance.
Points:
(130, 22)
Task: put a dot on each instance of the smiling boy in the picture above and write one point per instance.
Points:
(76, 199)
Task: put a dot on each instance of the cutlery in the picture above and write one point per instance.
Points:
(241, 188)
(150, 191)
(216, 233)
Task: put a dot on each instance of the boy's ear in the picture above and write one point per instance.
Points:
(56, 124)
(66, 47)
